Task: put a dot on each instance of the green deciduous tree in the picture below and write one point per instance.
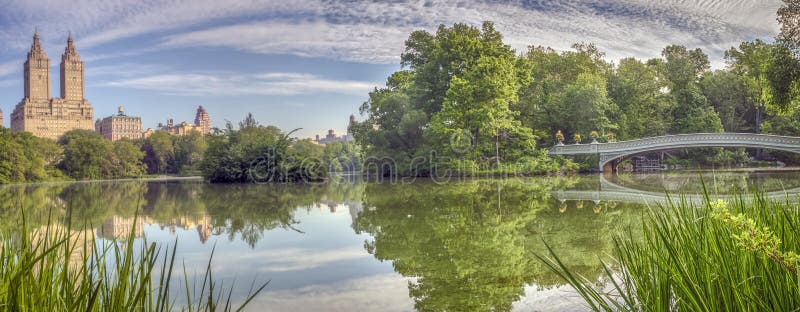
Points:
(644, 110)
(86, 155)
(262, 154)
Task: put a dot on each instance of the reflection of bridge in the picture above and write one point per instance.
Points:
(612, 153)
(611, 192)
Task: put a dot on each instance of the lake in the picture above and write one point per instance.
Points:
(351, 245)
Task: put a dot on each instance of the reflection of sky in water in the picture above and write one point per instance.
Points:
(324, 268)
(451, 242)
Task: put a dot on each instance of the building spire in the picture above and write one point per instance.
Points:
(36, 46)
(70, 46)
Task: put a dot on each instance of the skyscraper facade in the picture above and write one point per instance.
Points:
(202, 121)
(48, 117)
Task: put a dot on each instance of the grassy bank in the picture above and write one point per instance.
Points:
(57, 268)
(722, 256)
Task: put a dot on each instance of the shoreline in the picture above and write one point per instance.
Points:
(163, 178)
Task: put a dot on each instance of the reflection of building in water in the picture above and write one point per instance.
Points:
(81, 242)
(118, 228)
(202, 224)
(353, 207)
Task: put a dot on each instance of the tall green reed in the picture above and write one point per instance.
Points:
(56, 268)
(717, 256)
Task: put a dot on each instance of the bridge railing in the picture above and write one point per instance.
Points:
(680, 140)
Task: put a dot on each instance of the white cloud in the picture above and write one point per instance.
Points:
(374, 32)
(98, 22)
(358, 42)
(198, 84)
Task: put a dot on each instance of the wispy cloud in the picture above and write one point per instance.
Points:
(374, 31)
(10, 67)
(198, 84)
(351, 42)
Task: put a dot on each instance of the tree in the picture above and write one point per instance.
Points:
(643, 110)
(683, 67)
(26, 158)
(261, 154)
(126, 160)
(479, 105)
(159, 151)
(188, 151)
(586, 100)
(86, 155)
(751, 61)
(542, 105)
(727, 93)
(692, 113)
(789, 18)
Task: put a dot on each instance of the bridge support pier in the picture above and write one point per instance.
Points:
(609, 167)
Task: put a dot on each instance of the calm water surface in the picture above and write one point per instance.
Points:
(356, 246)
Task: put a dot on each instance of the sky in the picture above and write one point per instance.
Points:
(310, 64)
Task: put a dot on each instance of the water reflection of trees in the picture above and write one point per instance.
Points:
(233, 211)
(469, 246)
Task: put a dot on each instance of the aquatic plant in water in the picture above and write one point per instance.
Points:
(737, 255)
(57, 268)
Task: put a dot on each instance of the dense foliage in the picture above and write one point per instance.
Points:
(25, 158)
(165, 153)
(464, 99)
(84, 154)
(261, 154)
(88, 156)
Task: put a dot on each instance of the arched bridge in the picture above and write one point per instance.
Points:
(612, 153)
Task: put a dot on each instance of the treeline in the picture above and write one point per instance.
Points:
(80, 155)
(259, 154)
(252, 153)
(465, 100)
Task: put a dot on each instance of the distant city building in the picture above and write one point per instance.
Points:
(202, 120)
(48, 117)
(202, 124)
(332, 137)
(1, 118)
(120, 126)
(181, 129)
(147, 133)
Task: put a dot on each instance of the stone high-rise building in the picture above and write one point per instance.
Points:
(202, 121)
(48, 117)
(119, 126)
(202, 124)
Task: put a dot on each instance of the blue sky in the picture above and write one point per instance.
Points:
(309, 64)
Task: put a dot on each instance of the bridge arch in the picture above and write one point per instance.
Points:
(610, 152)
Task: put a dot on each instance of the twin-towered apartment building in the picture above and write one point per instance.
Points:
(48, 117)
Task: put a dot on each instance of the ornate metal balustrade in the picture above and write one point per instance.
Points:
(616, 150)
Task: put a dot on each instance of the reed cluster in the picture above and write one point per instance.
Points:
(56, 268)
(737, 255)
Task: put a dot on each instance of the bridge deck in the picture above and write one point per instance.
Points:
(616, 150)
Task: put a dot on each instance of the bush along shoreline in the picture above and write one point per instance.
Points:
(738, 255)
